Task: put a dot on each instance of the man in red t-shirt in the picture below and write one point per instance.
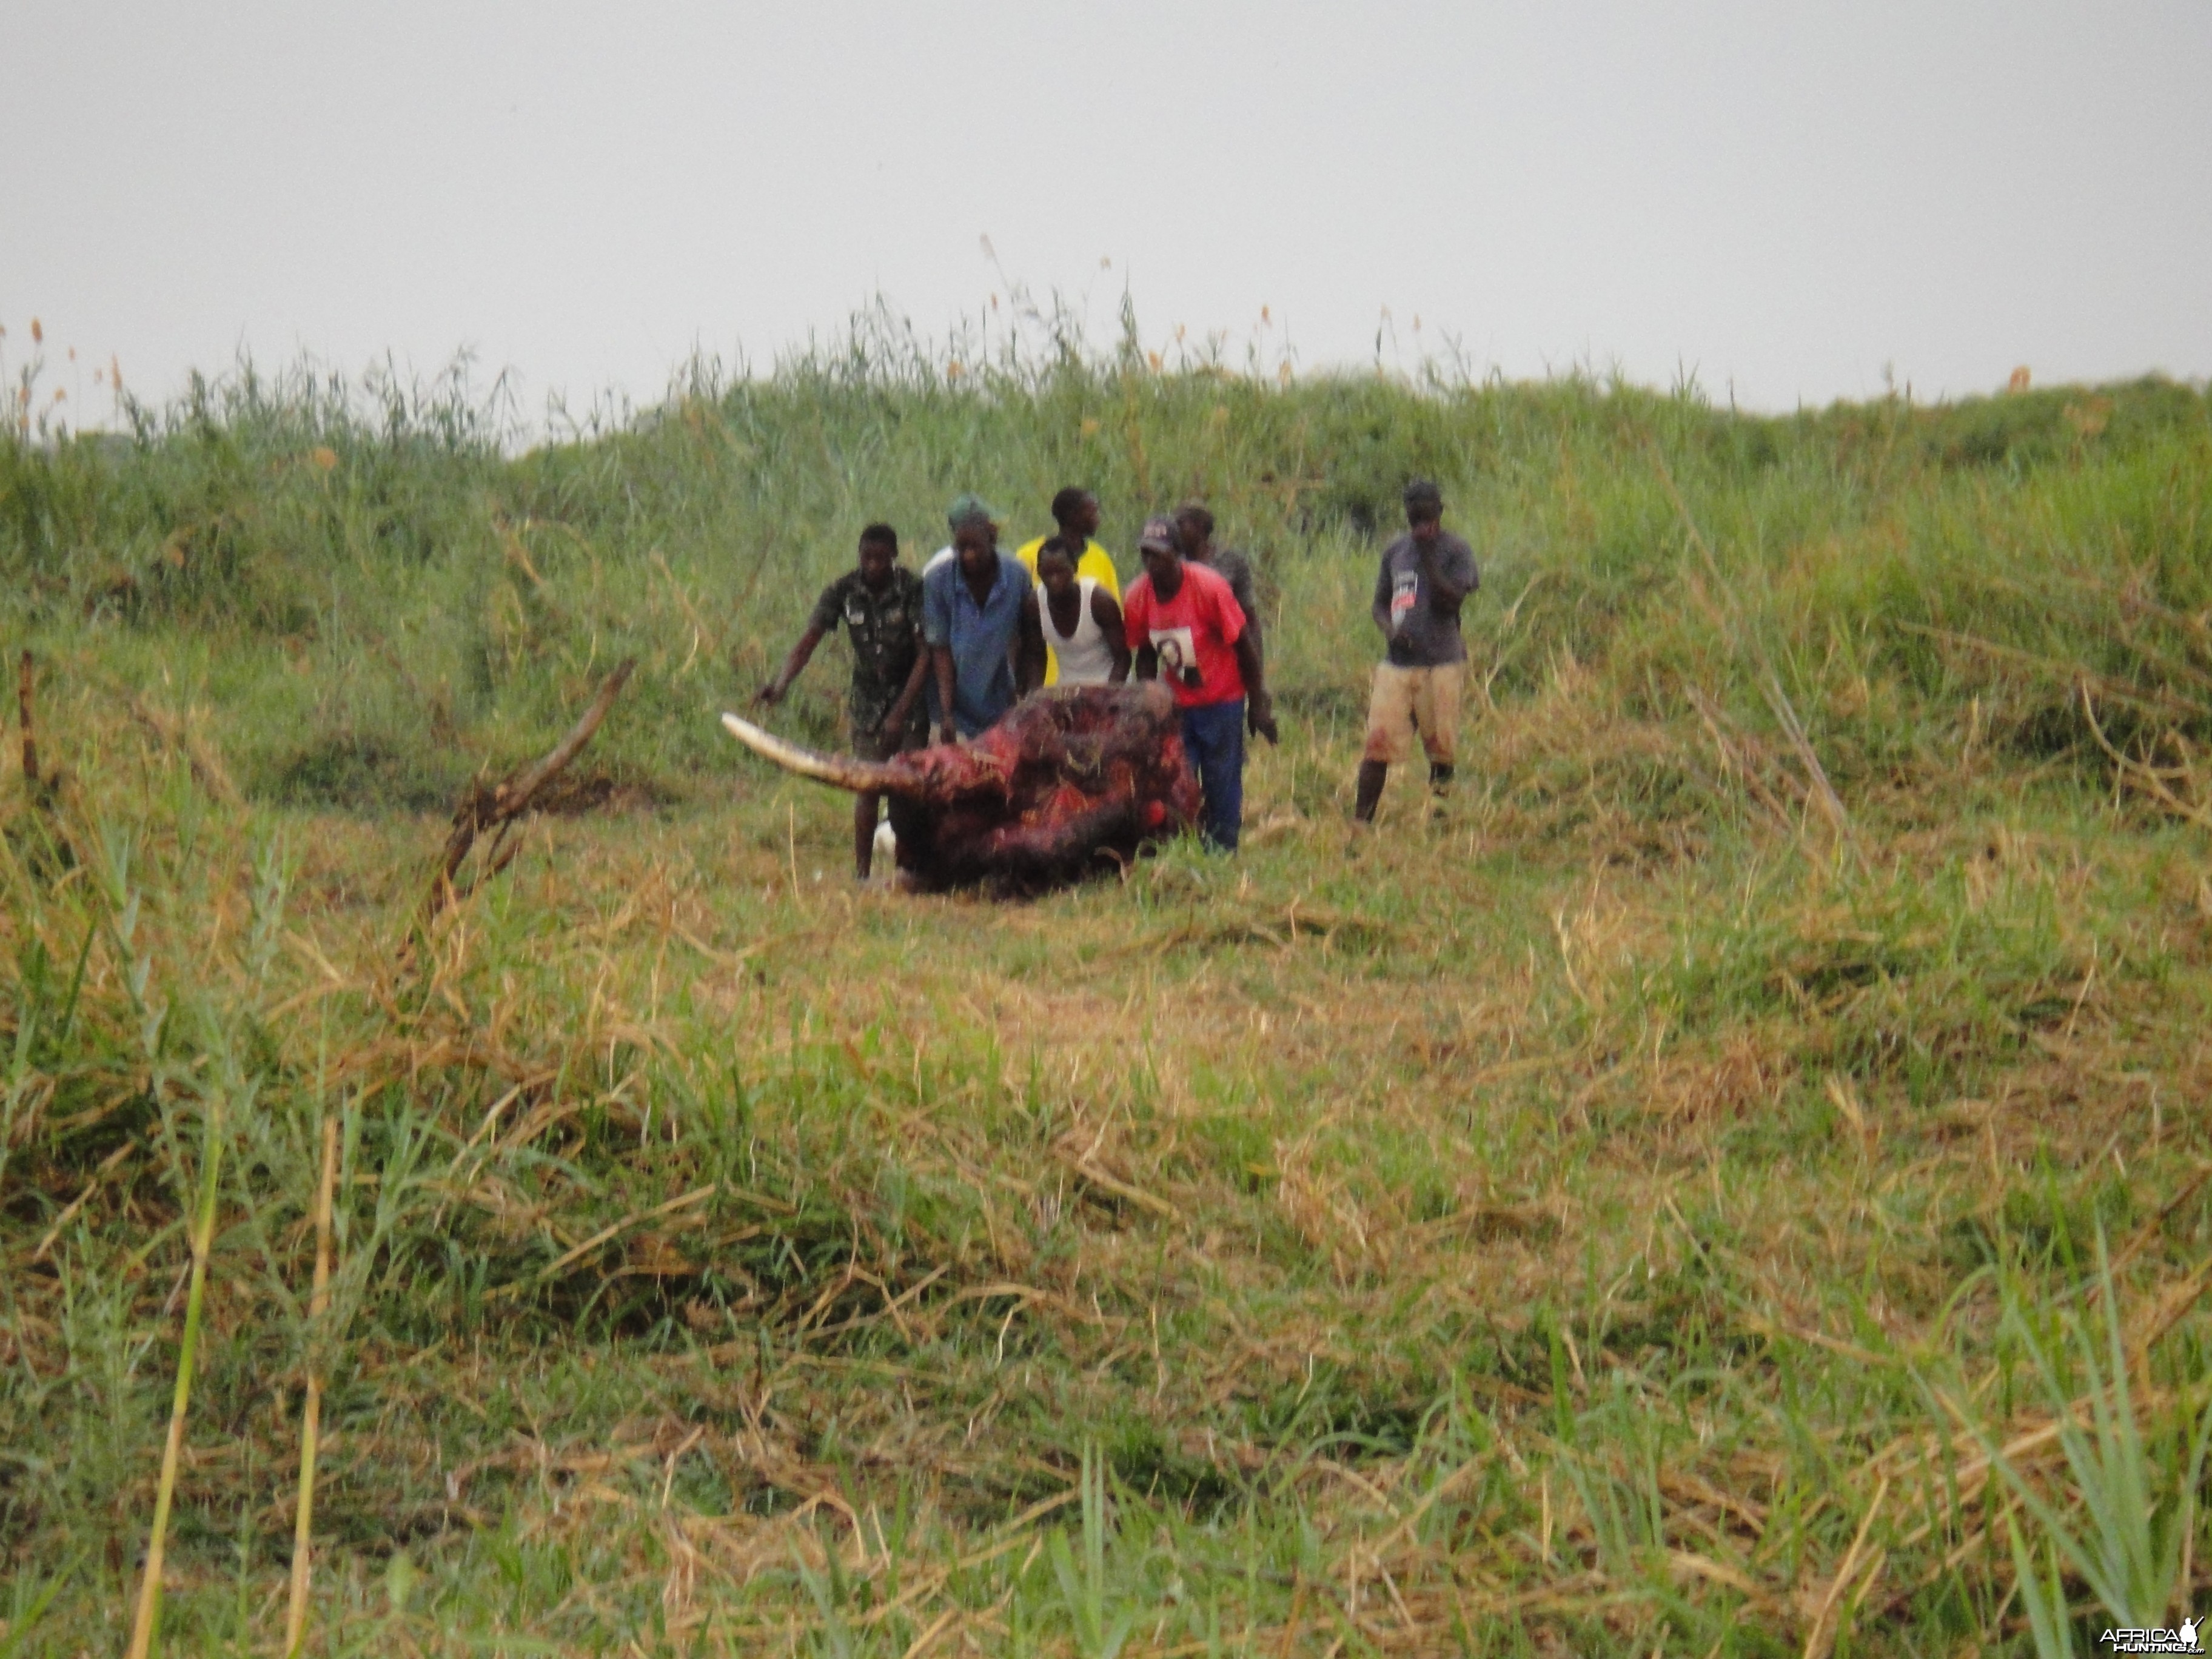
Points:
(1188, 630)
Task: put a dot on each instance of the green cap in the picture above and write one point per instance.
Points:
(967, 508)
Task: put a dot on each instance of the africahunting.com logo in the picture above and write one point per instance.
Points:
(2127, 1639)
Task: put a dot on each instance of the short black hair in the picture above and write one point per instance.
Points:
(1194, 513)
(1068, 503)
(882, 535)
(1059, 545)
(1423, 497)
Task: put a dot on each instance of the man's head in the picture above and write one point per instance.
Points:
(1056, 567)
(1425, 511)
(1195, 525)
(1161, 548)
(1075, 510)
(969, 505)
(974, 542)
(879, 553)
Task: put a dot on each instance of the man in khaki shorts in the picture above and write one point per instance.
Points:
(1426, 577)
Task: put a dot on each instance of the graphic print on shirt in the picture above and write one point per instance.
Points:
(1178, 654)
(1405, 589)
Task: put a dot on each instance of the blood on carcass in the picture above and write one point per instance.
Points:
(1072, 782)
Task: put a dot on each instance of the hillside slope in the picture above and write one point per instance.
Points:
(1621, 1211)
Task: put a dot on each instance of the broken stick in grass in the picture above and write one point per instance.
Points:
(498, 809)
(42, 789)
(30, 729)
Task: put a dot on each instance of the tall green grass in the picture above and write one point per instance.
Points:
(392, 598)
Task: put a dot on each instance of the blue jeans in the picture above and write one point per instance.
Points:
(1214, 735)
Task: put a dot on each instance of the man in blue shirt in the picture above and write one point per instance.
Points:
(978, 619)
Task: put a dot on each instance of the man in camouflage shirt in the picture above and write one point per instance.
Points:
(880, 603)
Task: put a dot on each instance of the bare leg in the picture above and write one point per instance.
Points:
(864, 834)
(1372, 776)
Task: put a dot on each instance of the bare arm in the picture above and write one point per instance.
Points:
(794, 665)
(1108, 616)
(1245, 590)
(1259, 706)
(895, 721)
(942, 657)
(1147, 665)
(1029, 648)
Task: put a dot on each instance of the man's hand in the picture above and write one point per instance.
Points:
(1259, 707)
(1260, 717)
(770, 695)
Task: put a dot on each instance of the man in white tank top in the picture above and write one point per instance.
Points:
(1082, 621)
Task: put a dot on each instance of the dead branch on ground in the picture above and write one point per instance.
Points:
(498, 810)
(2175, 788)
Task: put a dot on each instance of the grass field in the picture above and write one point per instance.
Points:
(1733, 1183)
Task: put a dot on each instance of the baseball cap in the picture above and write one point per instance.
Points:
(968, 507)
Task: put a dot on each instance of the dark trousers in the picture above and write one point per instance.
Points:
(1214, 735)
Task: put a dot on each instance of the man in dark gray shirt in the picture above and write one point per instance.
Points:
(1426, 577)
(1194, 527)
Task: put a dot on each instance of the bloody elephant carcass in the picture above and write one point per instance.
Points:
(1071, 782)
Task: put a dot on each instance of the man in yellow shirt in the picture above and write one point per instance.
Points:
(1076, 511)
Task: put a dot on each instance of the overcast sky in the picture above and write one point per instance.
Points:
(1782, 200)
